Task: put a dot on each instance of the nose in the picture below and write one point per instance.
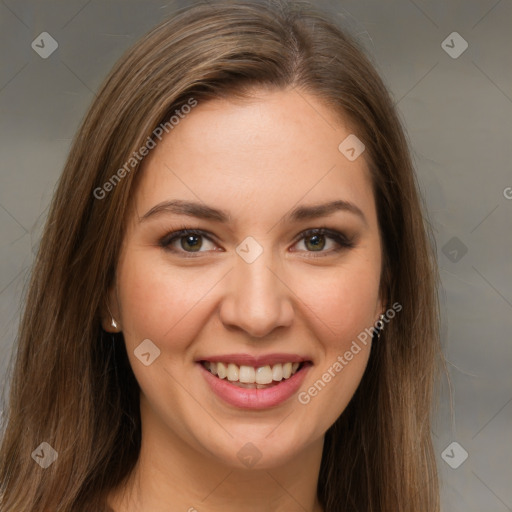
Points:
(257, 299)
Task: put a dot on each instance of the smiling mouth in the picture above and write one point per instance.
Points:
(251, 377)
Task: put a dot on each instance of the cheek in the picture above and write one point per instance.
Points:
(341, 304)
(341, 301)
(160, 302)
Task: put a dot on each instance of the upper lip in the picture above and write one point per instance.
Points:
(255, 361)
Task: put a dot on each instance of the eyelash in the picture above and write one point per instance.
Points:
(341, 239)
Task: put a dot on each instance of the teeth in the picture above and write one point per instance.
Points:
(221, 370)
(250, 375)
(264, 375)
(247, 374)
(277, 372)
(232, 372)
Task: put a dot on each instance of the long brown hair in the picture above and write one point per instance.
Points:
(72, 385)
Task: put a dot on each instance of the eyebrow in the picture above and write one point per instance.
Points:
(203, 211)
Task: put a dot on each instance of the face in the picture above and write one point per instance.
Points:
(266, 278)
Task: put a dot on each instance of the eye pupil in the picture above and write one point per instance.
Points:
(317, 245)
(193, 246)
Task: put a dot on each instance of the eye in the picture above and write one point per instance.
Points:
(314, 240)
(190, 241)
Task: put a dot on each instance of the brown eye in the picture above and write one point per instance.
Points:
(185, 241)
(191, 241)
(316, 240)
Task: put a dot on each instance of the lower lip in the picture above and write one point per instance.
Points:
(248, 398)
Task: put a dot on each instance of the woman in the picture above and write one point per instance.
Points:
(234, 302)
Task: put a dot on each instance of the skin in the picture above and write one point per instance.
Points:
(258, 160)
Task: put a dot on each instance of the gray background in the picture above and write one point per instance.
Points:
(457, 113)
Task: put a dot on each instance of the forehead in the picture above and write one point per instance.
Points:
(256, 156)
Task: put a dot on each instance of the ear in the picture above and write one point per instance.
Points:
(109, 313)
